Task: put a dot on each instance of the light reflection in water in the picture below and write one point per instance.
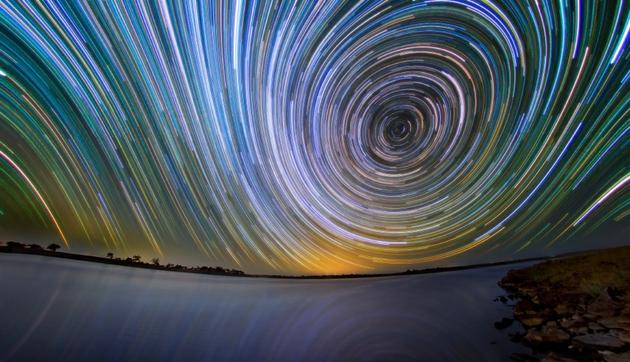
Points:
(70, 310)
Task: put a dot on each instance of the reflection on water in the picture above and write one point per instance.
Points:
(55, 309)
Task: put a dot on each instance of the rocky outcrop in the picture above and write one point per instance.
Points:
(576, 308)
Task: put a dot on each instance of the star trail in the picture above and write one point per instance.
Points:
(315, 136)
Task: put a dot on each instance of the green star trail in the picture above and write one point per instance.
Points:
(315, 136)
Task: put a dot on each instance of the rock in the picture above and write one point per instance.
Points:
(616, 357)
(503, 323)
(602, 306)
(577, 308)
(619, 322)
(547, 335)
(555, 335)
(595, 327)
(532, 322)
(563, 310)
(579, 317)
(525, 308)
(501, 299)
(621, 335)
(534, 336)
(615, 293)
(580, 307)
(571, 323)
(530, 315)
(579, 331)
(529, 291)
(600, 340)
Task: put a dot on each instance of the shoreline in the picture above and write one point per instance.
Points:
(219, 271)
(573, 309)
(26, 249)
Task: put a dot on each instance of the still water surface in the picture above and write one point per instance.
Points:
(56, 309)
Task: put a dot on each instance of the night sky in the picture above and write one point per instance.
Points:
(315, 137)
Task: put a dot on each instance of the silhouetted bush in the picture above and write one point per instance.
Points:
(53, 247)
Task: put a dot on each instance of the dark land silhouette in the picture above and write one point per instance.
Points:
(136, 261)
(133, 261)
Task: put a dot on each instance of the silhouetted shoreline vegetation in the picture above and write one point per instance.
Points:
(135, 261)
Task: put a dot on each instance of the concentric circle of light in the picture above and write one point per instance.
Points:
(317, 136)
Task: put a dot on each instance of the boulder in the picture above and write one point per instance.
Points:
(532, 322)
(551, 324)
(621, 334)
(616, 357)
(572, 323)
(525, 308)
(619, 322)
(579, 331)
(563, 310)
(602, 306)
(547, 335)
(501, 299)
(595, 327)
(600, 340)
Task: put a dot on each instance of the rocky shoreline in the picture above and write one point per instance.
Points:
(573, 309)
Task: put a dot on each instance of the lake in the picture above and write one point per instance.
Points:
(59, 309)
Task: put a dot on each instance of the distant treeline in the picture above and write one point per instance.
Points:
(134, 261)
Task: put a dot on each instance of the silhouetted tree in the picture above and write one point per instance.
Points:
(53, 247)
(136, 258)
(156, 261)
(110, 255)
(35, 247)
(15, 245)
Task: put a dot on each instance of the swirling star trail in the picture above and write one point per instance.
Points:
(315, 137)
